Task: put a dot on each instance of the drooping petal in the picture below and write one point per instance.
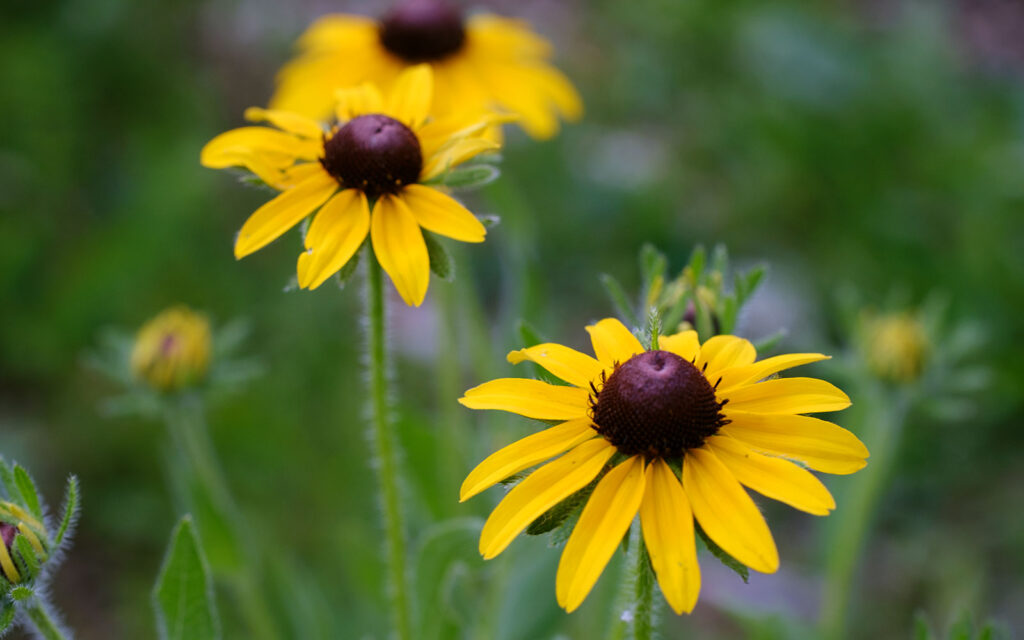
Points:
(788, 395)
(278, 148)
(442, 214)
(613, 342)
(530, 398)
(455, 154)
(525, 453)
(568, 364)
(819, 444)
(722, 352)
(286, 120)
(746, 374)
(282, 213)
(726, 512)
(686, 345)
(411, 95)
(774, 478)
(357, 101)
(400, 248)
(667, 522)
(605, 519)
(541, 490)
(337, 232)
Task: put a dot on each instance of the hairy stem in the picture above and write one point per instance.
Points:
(642, 604)
(39, 614)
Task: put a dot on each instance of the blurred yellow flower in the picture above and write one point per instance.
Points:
(641, 416)
(895, 346)
(479, 63)
(172, 351)
(380, 153)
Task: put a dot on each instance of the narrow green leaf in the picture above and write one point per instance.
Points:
(440, 261)
(27, 488)
(7, 478)
(619, 300)
(653, 264)
(727, 315)
(675, 315)
(70, 509)
(653, 327)
(27, 555)
(528, 334)
(922, 630)
(752, 280)
(183, 594)
(720, 259)
(349, 269)
(697, 260)
(471, 177)
(726, 559)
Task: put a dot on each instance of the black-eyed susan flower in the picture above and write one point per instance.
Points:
(379, 153)
(479, 62)
(172, 350)
(636, 418)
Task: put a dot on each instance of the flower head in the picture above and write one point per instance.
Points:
(673, 434)
(479, 62)
(172, 350)
(895, 345)
(378, 153)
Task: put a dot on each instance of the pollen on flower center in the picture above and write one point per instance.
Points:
(422, 30)
(656, 404)
(374, 153)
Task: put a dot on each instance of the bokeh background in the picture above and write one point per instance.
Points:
(873, 146)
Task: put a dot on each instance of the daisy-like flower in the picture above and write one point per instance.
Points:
(480, 62)
(638, 417)
(379, 153)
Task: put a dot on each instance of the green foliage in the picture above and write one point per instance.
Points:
(7, 613)
(471, 176)
(27, 491)
(441, 263)
(183, 595)
(344, 275)
(723, 557)
(70, 510)
(561, 513)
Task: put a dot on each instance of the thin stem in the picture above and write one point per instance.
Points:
(643, 592)
(386, 452)
(38, 612)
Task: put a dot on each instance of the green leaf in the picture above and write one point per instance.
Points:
(558, 514)
(349, 269)
(528, 334)
(440, 261)
(726, 559)
(922, 630)
(70, 509)
(471, 177)
(27, 489)
(619, 300)
(770, 342)
(720, 259)
(7, 478)
(697, 260)
(652, 265)
(727, 315)
(751, 281)
(7, 611)
(183, 594)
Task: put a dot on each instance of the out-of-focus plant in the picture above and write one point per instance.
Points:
(963, 628)
(183, 597)
(31, 547)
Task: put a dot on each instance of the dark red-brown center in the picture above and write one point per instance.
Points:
(422, 30)
(658, 405)
(7, 533)
(374, 153)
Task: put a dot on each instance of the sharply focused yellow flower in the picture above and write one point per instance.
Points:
(379, 153)
(172, 350)
(480, 63)
(639, 417)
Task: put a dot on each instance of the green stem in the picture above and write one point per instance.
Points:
(642, 591)
(386, 453)
(38, 612)
(882, 425)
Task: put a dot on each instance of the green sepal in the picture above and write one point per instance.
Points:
(27, 489)
(558, 514)
(653, 264)
(346, 272)
(530, 337)
(70, 509)
(726, 559)
(7, 479)
(7, 612)
(28, 562)
(470, 177)
(440, 260)
(653, 328)
(21, 593)
(183, 593)
(696, 266)
(618, 298)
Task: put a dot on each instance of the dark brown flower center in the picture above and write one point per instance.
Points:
(422, 30)
(658, 405)
(374, 153)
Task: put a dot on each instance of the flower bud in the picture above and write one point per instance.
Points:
(895, 346)
(172, 351)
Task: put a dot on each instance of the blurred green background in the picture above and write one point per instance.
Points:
(871, 145)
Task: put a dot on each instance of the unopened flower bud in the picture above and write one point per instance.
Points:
(895, 346)
(172, 351)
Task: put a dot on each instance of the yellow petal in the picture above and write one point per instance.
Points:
(667, 522)
(400, 248)
(282, 213)
(290, 122)
(686, 345)
(722, 352)
(726, 512)
(751, 373)
(599, 531)
(541, 490)
(774, 478)
(530, 398)
(337, 232)
(820, 445)
(441, 133)
(441, 214)
(455, 154)
(276, 147)
(568, 364)
(357, 101)
(788, 395)
(613, 342)
(411, 95)
(525, 453)
(335, 30)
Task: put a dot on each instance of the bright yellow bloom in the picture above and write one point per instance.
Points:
(641, 415)
(380, 153)
(479, 63)
(895, 346)
(172, 351)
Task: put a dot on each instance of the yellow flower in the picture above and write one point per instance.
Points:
(172, 351)
(479, 63)
(895, 346)
(641, 415)
(380, 152)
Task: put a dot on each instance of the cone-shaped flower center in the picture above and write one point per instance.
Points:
(374, 153)
(657, 404)
(422, 30)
